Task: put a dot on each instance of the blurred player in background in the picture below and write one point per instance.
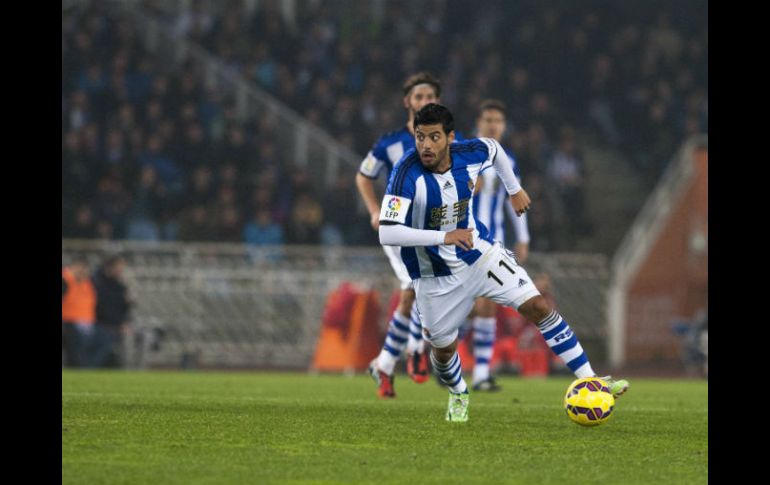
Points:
(404, 329)
(489, 201)
(428, 212)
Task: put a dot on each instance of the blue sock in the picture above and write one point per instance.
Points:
(450, 373)
(564, 343)
(395, 341)
(483, 345)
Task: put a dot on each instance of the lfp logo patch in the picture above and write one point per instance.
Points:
(394, 208)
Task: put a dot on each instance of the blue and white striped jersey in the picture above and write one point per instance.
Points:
(490, 202)
(421, 199)
(387, 151)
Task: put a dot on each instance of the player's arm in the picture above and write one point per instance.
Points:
(397, 207)
(520, 227)
(365, 187)
(370, 169)
(504, 168)
(394, 234)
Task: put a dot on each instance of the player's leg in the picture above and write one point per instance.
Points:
(415, 342)
(465, 327)
(398, 333)
(383, 367)
(484, 329)
(444, 304)
(512, 286)
(447, 364)
(417, 366)
(563, 341)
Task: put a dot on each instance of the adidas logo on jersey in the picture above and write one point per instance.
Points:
(447, 185)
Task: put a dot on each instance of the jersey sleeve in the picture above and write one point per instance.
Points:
(399, 194)
(371, 166)
(516, 169)
(492, 148)
(375, 160)
(497, 158)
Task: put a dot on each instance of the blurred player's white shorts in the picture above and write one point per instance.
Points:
(444, 302)
(394, 256)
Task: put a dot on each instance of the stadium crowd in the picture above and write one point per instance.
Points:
(151, 154)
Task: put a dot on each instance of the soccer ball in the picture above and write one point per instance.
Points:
(588, 401)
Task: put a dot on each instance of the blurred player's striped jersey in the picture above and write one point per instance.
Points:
(490, 202)
(388, 150)
(422, 199)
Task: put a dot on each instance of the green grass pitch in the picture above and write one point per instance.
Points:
(211, 428)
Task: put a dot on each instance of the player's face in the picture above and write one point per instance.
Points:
(491, 124)
(433, 145)
(418, 97)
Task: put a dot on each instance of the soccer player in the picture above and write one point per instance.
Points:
(427, 211)
(489, 201)
(404, 329)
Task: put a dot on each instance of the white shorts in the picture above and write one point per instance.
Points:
(444, 302)
(394, 256)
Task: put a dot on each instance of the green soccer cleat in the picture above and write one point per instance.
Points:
(457, 410)
(617, 387)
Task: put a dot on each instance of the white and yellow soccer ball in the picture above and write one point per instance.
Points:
(589, 402)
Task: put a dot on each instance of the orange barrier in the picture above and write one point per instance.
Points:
(349, 336)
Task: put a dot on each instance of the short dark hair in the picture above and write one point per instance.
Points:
(432, 114)
(492, 104)
(422, 77)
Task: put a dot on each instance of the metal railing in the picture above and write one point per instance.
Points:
(234, 305)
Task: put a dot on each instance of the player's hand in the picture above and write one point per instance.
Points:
(522, 252)
(460, 237)
(520, 202)
(374, 220)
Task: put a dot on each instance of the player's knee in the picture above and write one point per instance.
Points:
(535, 309)
(444, 354)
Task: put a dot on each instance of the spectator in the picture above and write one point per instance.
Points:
(84, 226)
(304, 225)
(78, 313)
(202, 190)
(229, 227)
(113, 305)
(112, 203)
(565, 173)
(262, 229)
(145, 208)
(196, 225)
(337, 217)
(167, 171)
(194, 152)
